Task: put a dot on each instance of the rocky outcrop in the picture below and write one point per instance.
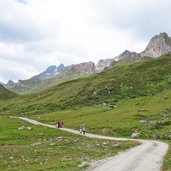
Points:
(51, 69)
(103, 63)
(50, 72)
(20, 84)
(86, 67)
(10, 83)
(131, 56)
(53, 75)
(60, 68)
(159, 45)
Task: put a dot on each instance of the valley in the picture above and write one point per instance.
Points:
(131, 95)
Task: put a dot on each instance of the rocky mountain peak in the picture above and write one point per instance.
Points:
(158, 45)
(10, 83)
(103, 63)
(50, 72)
(164, 34)
(126, 52)
(88, 67)
(127, 55)
(51, 69)
(61, 67)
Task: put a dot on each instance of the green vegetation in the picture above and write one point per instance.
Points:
(124, 119)
(141, 91)
(167, 161)
(6, 94)
(120, 82)
(34, 85)
(49, 149)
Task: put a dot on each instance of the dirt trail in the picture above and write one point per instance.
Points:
(146, 157)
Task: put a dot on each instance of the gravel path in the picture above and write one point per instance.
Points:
(146, 157)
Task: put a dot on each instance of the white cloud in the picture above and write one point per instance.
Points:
(38, 33)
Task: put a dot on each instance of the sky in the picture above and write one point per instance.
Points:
(35, 34)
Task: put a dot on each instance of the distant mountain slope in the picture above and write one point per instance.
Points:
(159, 45)
(50, 72)
(131, 56)
(144, 78)
(51, 76)
(10, 83)
(104, 63)
(5, 94)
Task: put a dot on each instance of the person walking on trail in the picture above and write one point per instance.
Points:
(83, 129)
(57, 124)
(62, 124)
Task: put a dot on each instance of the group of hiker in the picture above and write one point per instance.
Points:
(60, 124)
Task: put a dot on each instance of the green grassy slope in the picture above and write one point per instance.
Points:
(5, 94)
(35, 85)
(123, 120)
(49, 149)
(120, 82)
(141, 91)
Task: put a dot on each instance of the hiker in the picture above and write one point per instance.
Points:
(81, 129)
(59, 124)
(62, 124)
(56, 124)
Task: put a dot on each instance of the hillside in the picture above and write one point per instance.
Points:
(141, 91)
(149, 115)
(52, 76)
(5, 94)
(144, 78)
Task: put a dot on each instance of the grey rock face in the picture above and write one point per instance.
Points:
(158, 45)
(50, 72)
(85, 67)
(10, 83)
(51, 69)
(103, 63)
(61, 67)
(131, 56)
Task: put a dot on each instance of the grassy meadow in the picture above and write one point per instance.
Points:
(140, 79)
(139, 92)
(45, 148)
(122, 120)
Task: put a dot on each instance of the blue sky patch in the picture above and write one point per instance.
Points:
(22, 1)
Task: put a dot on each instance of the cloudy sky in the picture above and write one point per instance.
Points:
(37, 33)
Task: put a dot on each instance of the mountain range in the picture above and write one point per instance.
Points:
(50, 72)
(116, 97)
(158, 45)
(145, 78)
